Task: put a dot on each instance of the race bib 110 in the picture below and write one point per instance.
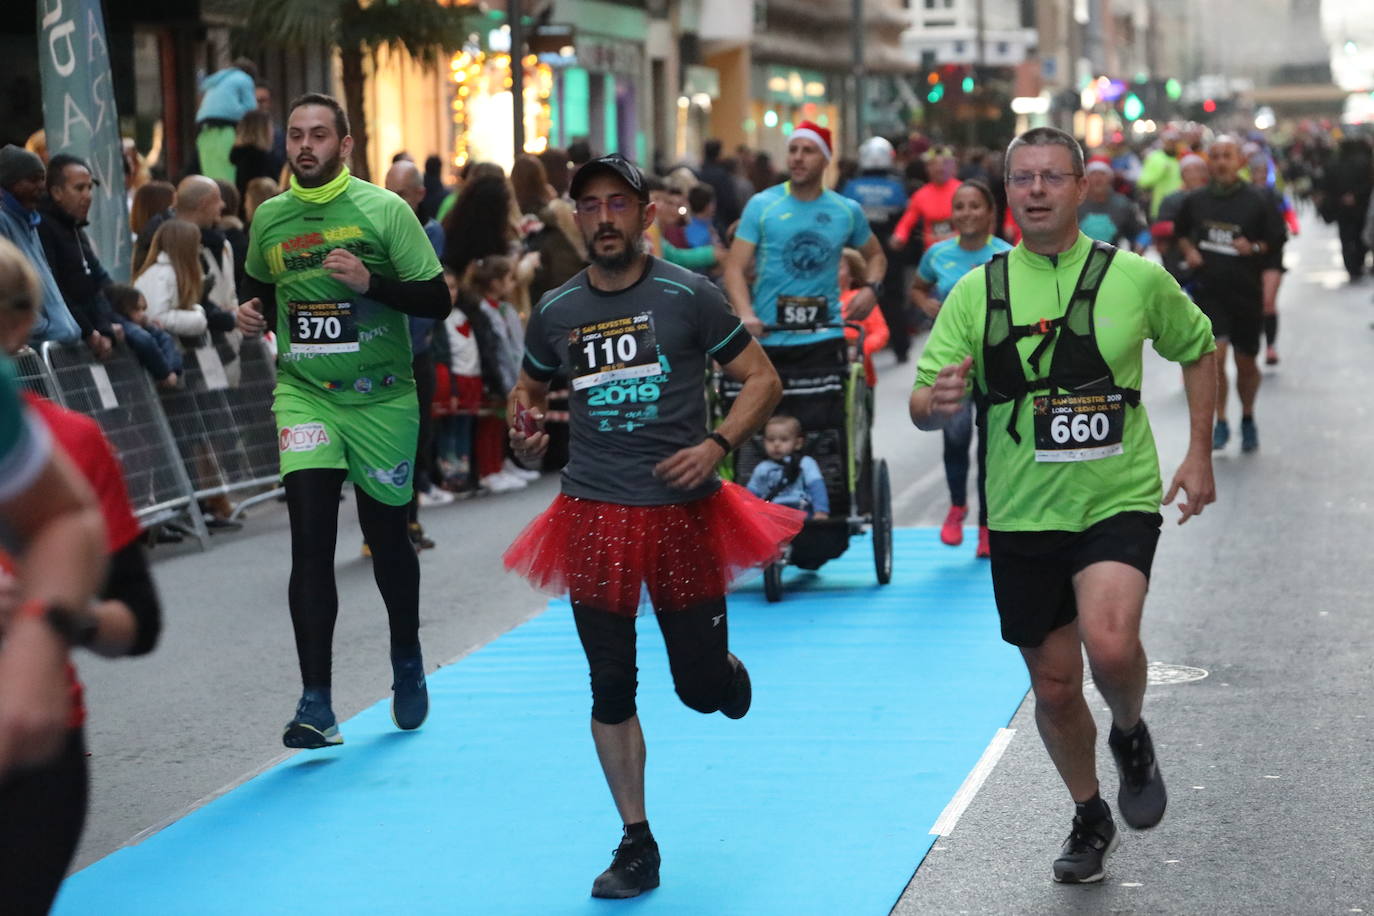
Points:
(614, 350)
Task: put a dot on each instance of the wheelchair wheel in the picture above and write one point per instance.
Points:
(882, 523)
(772, 582)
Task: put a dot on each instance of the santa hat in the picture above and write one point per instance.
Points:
(1099, 164)
(809, 130)
(1191, 159)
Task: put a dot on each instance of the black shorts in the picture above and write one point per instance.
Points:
(1032, 571)
(1238, 321)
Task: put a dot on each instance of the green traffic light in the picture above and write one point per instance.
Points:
(1132, 108)
(936, 94)
(1173, 89)
(967, 84)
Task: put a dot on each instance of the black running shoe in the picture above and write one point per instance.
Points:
(419, 539)
(634, 870)
(410, 696)
(1142, 797)
(313, 727)
(1080, 861)
(741, 692)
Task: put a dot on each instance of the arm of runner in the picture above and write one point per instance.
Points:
(690, 467)
(932, 405)
(865, 299)
(1194, 475)
(259, 312)
(737, 287)
(902, 231)
(529, 394)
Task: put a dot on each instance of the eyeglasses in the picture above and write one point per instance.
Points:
(1051, 179)
(616, 204)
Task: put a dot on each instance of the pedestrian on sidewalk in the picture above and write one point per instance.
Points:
(1073, 478)
(641, 503)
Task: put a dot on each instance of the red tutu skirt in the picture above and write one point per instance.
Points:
(602, 554)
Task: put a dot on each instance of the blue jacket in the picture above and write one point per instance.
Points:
(20, 226)
(228, 96)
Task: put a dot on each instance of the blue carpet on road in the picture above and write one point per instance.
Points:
(871, 704)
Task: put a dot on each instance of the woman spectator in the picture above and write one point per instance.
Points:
(252, 153)
(558, 170)
(153, 198)
(484, 222)
(258, 190)
(171, 279)
(562, 250)
(235, 233)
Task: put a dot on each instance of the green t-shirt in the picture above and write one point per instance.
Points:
(1137, 301)
(330, 338)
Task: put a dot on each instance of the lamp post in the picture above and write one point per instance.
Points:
(857, 71)
(517, 74)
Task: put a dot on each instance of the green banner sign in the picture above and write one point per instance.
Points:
(79, 117)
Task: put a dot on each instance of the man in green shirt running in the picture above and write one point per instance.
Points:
(1051, 335)
(335, 265)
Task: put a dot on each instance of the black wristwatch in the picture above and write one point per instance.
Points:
(723, 442)
(877, 288)
(78, 628)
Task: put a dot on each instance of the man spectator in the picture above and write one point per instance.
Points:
(22, 177)
(81, 279)
(1104, 215)
(228, 95)
(714, 173)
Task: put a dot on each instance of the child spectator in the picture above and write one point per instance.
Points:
(154, 347)
(457, 392)
(258, 190)
(853, 269)
(171, 279)
(787, 477)
(700, 229)
(491, 281)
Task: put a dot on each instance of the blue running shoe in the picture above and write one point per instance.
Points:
(1221, 434)
(410, 696)
(313, 727)
(1249, 435)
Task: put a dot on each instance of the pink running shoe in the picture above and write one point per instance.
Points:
(952, 531)
(983, 549)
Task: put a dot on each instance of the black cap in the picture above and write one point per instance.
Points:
(614, 164)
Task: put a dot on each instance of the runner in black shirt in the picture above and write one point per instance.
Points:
(1226, 231)
(641, 504)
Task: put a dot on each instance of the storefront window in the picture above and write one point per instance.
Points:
(483, 129)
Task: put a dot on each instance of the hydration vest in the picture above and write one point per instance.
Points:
(1077, 365)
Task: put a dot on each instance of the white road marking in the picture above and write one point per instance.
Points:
(944, 824)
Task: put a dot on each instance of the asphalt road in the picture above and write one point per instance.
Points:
(1267, 758)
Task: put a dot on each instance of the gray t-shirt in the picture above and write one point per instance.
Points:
(635, 361)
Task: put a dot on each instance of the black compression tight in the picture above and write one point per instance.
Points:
(312, 499)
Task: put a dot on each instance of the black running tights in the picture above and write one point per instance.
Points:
(312, 499)
(42, 811)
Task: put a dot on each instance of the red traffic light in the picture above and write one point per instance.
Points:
(1209, 106)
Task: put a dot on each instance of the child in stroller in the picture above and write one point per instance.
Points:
(788, 477)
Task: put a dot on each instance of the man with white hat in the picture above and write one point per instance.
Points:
(799, 229)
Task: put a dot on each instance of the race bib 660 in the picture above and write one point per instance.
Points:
(1079, 427)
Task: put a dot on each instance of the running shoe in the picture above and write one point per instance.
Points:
(410, 697)
(515, 470)
(952, 531)
(435, 496)
(1142, 797)
(1084, 852)
(1249, 435)
(1271, 357)
(1221, 434)
(634, 870)
(984, 548)
(313, 727)
(501, 482)
(419, 539)
(741, 691)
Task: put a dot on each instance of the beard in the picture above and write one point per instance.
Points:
(323, 172)
(621, 260)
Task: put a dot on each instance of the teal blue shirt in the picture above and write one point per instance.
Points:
(797, 253)
(945, 262)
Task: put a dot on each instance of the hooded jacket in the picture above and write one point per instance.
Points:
(20, 226)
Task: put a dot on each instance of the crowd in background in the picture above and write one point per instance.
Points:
(507, 239)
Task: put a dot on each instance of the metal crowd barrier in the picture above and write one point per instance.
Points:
(118, 394)
(34, 374)
(221, 419)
